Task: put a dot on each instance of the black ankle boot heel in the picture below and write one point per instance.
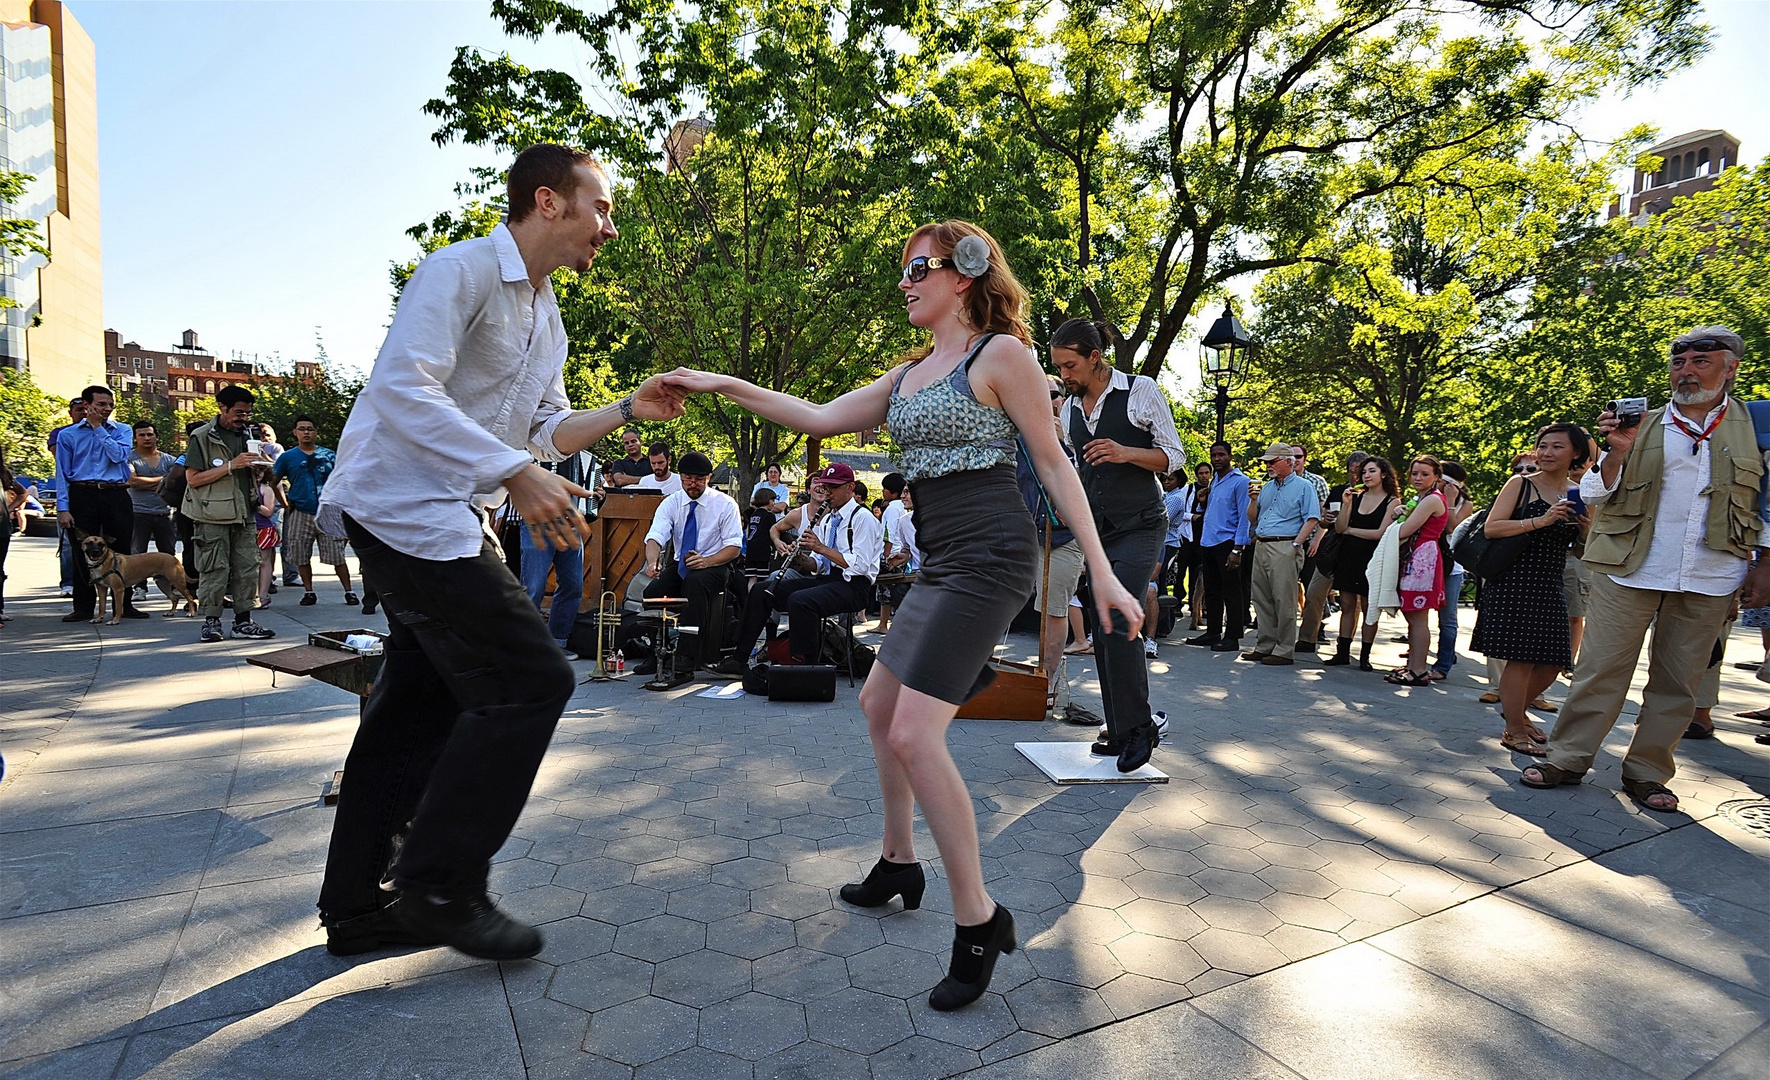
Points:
(973, 964)
(885, 881)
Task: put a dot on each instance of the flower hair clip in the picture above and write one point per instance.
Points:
(971, 256)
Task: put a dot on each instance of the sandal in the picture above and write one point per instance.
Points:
(1755, 714)
(1405, 677)
(1434, 675)
(1523, 745)
(1549, 775)
(1489, 698)
(1644, 790)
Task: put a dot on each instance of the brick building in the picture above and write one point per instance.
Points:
(1692, 162)
(181, 375)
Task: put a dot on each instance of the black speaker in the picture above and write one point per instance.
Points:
(802, 682)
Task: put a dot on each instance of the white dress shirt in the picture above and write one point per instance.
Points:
(466, 388)
(863, 552)
(717, 523)
(1147, 409)
(669, 485)
(888, 520)
(905, 537)
(1678, 557)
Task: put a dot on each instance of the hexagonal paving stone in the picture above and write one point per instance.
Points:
(1287, 879)
(701, 978)
(1057, 1009)
(661, 937)
(1131, 994)
(985, 1022)
(840, 933)
(748, 873)
(641, 1031)
(708, 903)
(895, 970)
(594, 875)
(799, 974)
(858, 1020)
(566, 940)
(1229, 913)
(1082, 963)
(542, 905)
(599, 982)
(750, 935)
(1222, 857)
(1159, 958)
(672, 873)
(1301, 942)
(1309, 911)
(748, 828)
(1168, 887)
(918, 1058)
(695, 1063)
(1241, 953)
(790, 900)
(623, 904)
(752, 1026)
(1158, 917)
(813, 1061)
(1302, 858)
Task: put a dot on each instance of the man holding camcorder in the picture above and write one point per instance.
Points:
(1675, 525)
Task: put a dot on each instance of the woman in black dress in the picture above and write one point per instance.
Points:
(955, 410)
(1370, 508)
(1523, 615)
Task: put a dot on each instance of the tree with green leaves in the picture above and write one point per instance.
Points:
(1243, 133)
(1604, 311)
(27, 415)
(764, 245)
(1379, 339)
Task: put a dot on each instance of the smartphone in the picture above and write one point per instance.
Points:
(1575, 502)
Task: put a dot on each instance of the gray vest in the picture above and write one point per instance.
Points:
(1123, 497)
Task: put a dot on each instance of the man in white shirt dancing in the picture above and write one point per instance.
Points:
(467, 386)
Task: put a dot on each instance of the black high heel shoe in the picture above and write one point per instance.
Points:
(885, 881)
(968, 975)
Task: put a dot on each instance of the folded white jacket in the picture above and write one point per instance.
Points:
(1384, 575)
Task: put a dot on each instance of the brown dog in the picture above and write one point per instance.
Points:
(109, 571)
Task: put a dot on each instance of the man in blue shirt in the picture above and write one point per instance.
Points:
(305, 466)
(1224, 534)
(1284, 514)
(92, 491)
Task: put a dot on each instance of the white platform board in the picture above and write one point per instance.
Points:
(1072, 763)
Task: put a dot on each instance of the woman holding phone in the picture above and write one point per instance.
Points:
(1523, 617)
(955, 408)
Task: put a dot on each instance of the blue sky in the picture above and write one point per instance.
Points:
(260, 162)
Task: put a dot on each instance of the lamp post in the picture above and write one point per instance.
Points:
(1224, 353)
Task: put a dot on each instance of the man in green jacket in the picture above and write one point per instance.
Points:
(219, 500)
(1675, 527)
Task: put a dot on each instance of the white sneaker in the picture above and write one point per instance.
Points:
(569, 655)
(1160, 717)
(1149, 649)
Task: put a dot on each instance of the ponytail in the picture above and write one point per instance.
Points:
(1086, 336)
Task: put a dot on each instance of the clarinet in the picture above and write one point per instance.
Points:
(798, 542)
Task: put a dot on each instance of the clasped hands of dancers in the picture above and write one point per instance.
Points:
(468, 389)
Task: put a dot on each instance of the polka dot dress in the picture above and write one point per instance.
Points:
(1523, 615)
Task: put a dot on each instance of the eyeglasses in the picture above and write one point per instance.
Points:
(1055, 394)
(917, 268)
(1523, 470)
(1707, 344)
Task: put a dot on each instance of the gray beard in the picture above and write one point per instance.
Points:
(1698, 396)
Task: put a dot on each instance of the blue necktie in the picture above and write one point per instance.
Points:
(691, 534)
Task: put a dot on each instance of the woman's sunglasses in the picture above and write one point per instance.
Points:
(917, 268)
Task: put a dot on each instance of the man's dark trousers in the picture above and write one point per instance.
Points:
(1119, 656)
(1225, 598)
(99, 511)
(703, 590)
(807, 601)
(155, 527)
(472, 687)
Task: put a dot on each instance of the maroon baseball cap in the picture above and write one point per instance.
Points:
(834, 475)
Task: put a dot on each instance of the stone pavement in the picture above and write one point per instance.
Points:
(1343, 880)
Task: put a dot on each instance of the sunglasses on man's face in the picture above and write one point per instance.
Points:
(1707, 344)
(917, 268)
(1055, 394)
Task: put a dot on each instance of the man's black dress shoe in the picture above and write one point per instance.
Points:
(371, 932)
(1105, 747)
(1138, 745)
(471, 924)
(1226, 646)
(1203, 639)
(645, 667)
(75, 616)
(132, 613)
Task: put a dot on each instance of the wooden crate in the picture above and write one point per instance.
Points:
(1017, 694)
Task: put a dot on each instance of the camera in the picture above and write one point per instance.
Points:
(1628, 411)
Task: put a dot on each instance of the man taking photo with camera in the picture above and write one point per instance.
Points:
(1675, 526)
(219, 497)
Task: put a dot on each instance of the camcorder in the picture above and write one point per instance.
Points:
(1628, 411)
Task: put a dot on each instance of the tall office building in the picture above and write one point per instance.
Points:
(49, 132)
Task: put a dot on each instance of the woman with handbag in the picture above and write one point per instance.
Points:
(1366, 512)
(1422, 570)
(1523, 617)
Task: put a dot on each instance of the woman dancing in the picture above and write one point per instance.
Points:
(955, 409)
